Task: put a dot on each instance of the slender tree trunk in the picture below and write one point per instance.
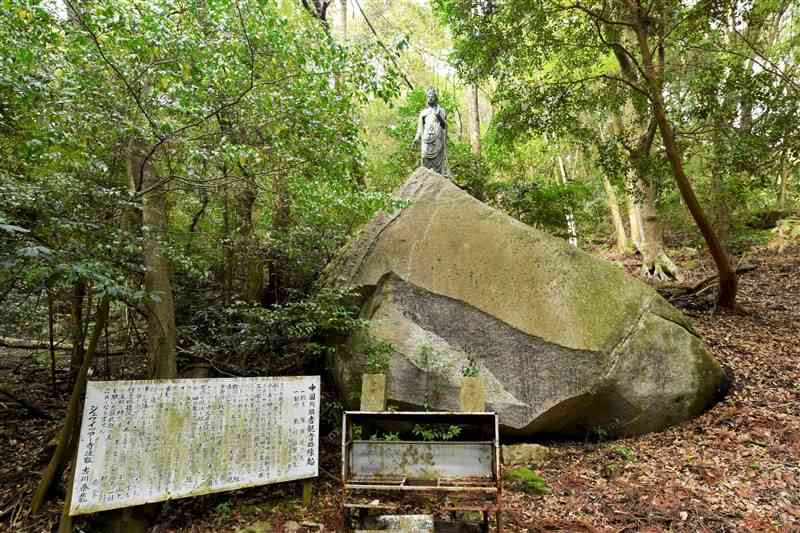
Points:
(727, 276)
(655, 262)
(251, 263)
(132, 228)
(76, 327)
(475, 120)
(281, 219)
(161, 312)
(571, 228)
(65, 523)
(160, 306)
(612, 201)
(635, 221)
(783, 180)
(342, 16)
(227, 248)
(50, 319)
(71, 428)
(720, 208)
(616, 217)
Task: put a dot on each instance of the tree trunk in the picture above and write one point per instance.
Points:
(720, 208)
(76, 328)
(342, 16)
(573, 232)
(635, 221)
(783, 180)
(50, 319)
(159, 310)
(65, 522)
(646, 234)
(227, 247)
(132, 229)
(160, 306)
(275, 291)
(70, 430)
(250, 262)
(655, 263)
(727, 276)
(475, 120)
(616, 218)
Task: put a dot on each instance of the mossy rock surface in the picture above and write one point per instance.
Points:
(565, 342)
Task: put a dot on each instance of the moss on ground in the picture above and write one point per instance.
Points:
(527, 480)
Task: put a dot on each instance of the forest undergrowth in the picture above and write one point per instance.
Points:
(735, 468)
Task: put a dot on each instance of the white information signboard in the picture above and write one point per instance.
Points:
(149, 441)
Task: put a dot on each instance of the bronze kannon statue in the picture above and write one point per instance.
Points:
(432, 131)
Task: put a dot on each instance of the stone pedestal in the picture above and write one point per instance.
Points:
(472, 398)
(373, 392)
(525, 454)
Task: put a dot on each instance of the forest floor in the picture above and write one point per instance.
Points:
(735, 468)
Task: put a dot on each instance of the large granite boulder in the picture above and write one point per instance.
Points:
(566, 342)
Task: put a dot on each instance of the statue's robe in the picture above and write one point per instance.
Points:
(432, 131)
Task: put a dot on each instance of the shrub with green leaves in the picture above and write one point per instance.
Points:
(436, 432)
(281, 338)
(377, 356)
(471, 369)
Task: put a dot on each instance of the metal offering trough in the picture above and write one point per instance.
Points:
(464, 473)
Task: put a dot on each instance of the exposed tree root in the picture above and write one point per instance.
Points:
(661, 268)
(701, 295)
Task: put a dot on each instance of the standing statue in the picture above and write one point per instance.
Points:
(432, 131)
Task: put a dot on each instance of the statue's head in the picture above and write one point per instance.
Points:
(433, 98)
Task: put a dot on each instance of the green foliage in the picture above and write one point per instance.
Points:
(471, 369)
(728, 94)
(385, 436)
(260, 155)
(623, 453)
(620, 456)
(431, 362)
(425, 432)
(599, 433)
(467, 170)
(223, 510)
(430, 359)
(436, 432)
(264, 340)
(545, 204)
(377, 356)
(527, 480)
(330, 416)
